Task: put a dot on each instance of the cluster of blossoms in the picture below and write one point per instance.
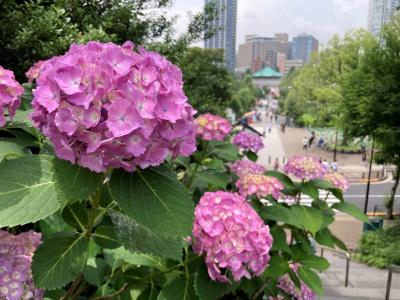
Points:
(259, 185)
(287, 285)
(212, 128)
(305, 167)
(10, 94)
(34, 71)
(243, 167)
(16, 253)
(232, 236)
(104, 105)
(248, 141)
(337, 180)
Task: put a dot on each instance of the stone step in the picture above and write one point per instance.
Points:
(343, 293)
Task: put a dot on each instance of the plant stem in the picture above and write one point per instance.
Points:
(111, 296)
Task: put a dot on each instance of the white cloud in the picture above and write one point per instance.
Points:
(347, 6)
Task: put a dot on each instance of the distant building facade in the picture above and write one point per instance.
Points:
(291, 64)
(379, 14)
(258, 52)
(267, 77)
(303, 46)
(225, 37)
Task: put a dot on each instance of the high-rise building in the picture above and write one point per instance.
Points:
(225, 37)
(379, 14)
(303, 46)
(258, 52)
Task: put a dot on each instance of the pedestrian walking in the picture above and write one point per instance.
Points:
(311, 139)
(269, 127)
(305, 143)
(325, 164)
(334, 166)
(276, 164)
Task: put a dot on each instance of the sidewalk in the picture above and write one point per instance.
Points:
(364, 282)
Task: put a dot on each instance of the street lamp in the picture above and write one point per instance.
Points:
(369, 177)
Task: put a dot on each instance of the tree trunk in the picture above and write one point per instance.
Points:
(345, 140)
(393, 193)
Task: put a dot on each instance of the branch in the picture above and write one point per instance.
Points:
(111, 296)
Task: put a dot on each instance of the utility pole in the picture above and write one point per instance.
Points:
(369, 177)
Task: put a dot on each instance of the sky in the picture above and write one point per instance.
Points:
(321, 18)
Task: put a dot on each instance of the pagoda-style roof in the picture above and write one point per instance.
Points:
(267, 72)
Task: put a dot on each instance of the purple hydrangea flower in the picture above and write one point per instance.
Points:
(103, 105)
(248, 141)
(10, 94)
(212, 128)
(337, 180)
(34, 71)
(305, 167)
(259, 185)
(231, 235)
(16, 253)
(243, 167)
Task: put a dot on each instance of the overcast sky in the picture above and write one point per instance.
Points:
(321, 18)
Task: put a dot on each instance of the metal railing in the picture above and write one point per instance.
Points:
(346, 278)
(392, 269)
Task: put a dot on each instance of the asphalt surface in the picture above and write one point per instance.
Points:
(378, 191)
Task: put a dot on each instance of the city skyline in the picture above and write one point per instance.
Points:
(322, 19)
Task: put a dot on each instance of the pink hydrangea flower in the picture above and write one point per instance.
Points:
(212, 128)
(34, 71)
(10, 94)
(16, 253)
(287, 285)
(104, 105)
(305, 167)
(248, 141)
(231, 235)
(337, 180)
(243, 167)
(259, 185)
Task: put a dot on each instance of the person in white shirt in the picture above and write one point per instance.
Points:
(334, 166)
(305, 143)
(325, 164)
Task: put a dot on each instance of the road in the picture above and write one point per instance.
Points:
(378, 191)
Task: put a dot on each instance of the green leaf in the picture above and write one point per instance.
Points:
(310, 217)
(206, 288)
(280, 213)
(309, 189)
(74, 182)
(322, 184)
(140, 259)
(9, 149)
(216, 164)
(325, 238)
(282, 178)
(95, 271)
(277, 267)
(106, 237)
(311, 279)
(137, 238)
(251, 155)
(27, 190)
(178, 289)
(53, 224)
(76, 216)
(149, 294)
(155, 199)
(351, 209)
(217, 179)
(59, 260)
(339, 243)
(228, 152)
(279, 237)
(338, 194)
(314, 262)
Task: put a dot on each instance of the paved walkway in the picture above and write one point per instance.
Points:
(364, 282)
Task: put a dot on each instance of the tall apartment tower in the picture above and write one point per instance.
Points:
(225, 37)
(303, 46)
(379, 14)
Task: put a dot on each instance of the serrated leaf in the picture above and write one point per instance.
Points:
(309, 189)
(310, 278)
(277, 267)
(206, 288)
(228, 152)
(310, 217)
(95, 271)
(280, 213)
(75, 215)
(106, 237)
(8, 149)
(155, 199)
(314, 262)
(338, 194)
(339, 243)
(325, 238)
(279, 237)
(74, 182)
(27, 190)
(178, 289)
(351, 209)
(141, 259)
(59, 260)
(217, 179)
(53, 224)
(137, 238)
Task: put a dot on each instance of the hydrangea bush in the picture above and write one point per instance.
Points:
(103, 194)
